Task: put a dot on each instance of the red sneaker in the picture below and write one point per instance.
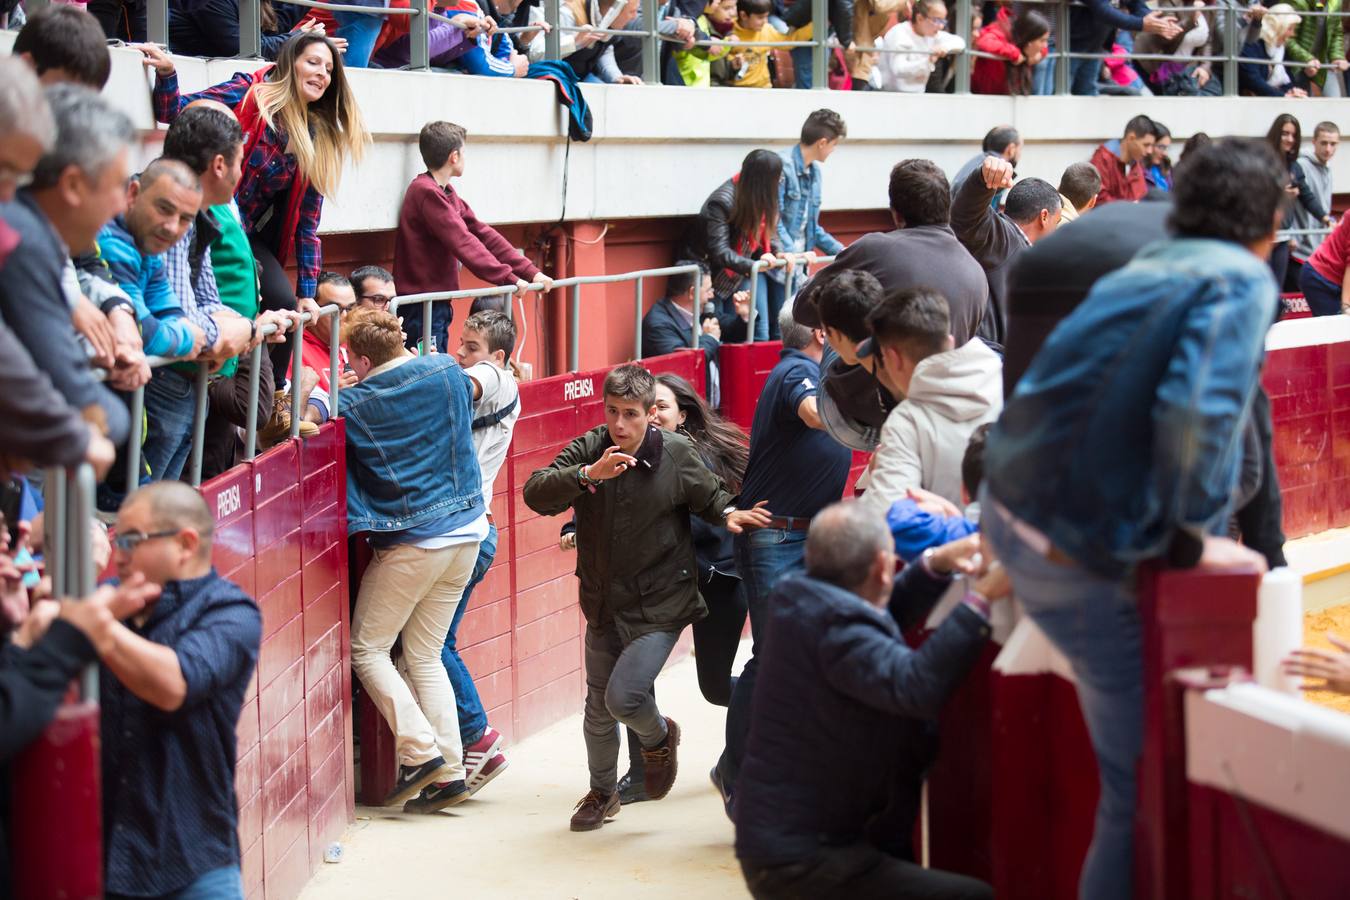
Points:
(490, 770)
(480, 753)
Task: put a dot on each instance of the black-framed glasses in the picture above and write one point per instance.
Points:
(377, 299)
(128, 541)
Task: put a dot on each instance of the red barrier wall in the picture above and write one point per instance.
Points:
(521, 635)
(281, 535)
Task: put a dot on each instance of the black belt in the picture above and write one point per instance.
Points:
(789, 523)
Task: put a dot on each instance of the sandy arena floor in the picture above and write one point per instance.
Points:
(512, 840)
(1335, 620)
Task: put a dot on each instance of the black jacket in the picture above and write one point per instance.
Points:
(211, 28)
(712, 240)
(798, 13)
(995, 241)
(1048, 281)
(836, 672)
(635, 553)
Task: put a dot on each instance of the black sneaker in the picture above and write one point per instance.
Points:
(411, 780)
(632, 789)
(436, 797)
(716, 778)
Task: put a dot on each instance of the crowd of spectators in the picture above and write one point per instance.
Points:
(932, 345)
(890, 45)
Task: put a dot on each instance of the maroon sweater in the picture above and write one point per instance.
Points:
(435, 228)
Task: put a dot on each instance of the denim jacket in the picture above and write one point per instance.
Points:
(410, 456)
(798, 202)
(1127, 427)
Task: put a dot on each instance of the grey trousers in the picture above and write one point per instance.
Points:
(619, 681)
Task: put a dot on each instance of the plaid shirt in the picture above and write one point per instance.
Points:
(268, 174)
(194, 281)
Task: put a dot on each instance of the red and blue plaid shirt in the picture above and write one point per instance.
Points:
(268, 174)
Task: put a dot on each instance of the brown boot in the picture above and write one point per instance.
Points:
(594, 810)
(662, 763)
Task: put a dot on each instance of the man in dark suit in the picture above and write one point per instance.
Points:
(668, 325)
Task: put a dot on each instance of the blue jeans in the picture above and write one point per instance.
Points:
(360, 31)
(801, 68)
(1094, 622)
(219, 884)
(472, 718)
(762, 558)
(1083, 76)
(169, 406)
(1323, 295)
(1043, 75)
(768, 303)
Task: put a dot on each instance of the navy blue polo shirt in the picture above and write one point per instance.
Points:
(169, 809)
(799, 470)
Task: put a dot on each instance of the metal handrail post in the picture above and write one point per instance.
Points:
(82, 560)
(137, 435)
(637, 318)
(251, 416)
(1231, 49)
(820, 32)
(511, 305)
(963, 58)
(419, 51)
(198, 426)
(426, 326)
(698, 307)
(334, 375)
(250, 29)
(157, 21)
(755, 268)
(651, 47)
(553, 39)
(297, 370)
(574, 340)
(1062, 63)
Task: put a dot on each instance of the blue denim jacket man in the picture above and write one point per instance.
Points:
(799, 192)
(390, 489)
(1122, 443)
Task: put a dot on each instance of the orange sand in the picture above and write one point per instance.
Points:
(1335, 620)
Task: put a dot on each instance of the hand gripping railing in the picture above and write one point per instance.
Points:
(297, 369)
(426, 300)
(805, 260)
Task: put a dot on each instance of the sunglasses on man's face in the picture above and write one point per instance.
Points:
(128, 541)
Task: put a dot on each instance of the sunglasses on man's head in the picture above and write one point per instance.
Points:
(128, 541)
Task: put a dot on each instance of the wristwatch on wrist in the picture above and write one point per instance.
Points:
(726, 513)
(586, 480)
(929, 566)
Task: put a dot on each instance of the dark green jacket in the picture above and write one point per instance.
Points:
(635, 556)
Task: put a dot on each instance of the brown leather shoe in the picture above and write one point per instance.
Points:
(594, 810)
(661, 763)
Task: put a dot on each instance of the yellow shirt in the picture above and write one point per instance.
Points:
(757, 58)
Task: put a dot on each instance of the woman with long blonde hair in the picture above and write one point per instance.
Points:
(301, 125)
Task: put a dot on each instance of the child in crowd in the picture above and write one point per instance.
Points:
(695, 64)
(750, 66)
(922, 520)
(481, 58)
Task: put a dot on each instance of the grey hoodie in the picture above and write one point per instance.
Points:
(925, 436)
(1318, 177)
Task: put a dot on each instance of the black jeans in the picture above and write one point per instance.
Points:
(277, 293)
(858, 872)
(1261, 522)
(121, 20)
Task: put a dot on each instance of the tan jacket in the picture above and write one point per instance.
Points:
(871, 18)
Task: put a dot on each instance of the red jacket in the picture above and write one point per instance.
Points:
(1116, 183)
(437, 231)
(990, 76)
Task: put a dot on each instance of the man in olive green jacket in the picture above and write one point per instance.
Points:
(633, 488)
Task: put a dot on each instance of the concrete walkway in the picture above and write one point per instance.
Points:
(512, 839)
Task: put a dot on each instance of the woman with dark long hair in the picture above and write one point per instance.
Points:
(301, 125)
(1021, 41)
(725, 450)
(1286, 139)
(738, 226)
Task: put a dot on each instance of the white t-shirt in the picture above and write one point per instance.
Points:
(490, 443)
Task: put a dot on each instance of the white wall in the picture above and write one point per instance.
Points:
(659, 151)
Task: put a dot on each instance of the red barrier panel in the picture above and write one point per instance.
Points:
(744, 368)
(521, 635)
(281, 535)
(56, 838)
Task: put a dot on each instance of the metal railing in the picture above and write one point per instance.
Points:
(68, 556)
(804, 260)
(575, 283)
(421, 15)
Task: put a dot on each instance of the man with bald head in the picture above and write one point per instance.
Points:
(173, 684)
(836, 672)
